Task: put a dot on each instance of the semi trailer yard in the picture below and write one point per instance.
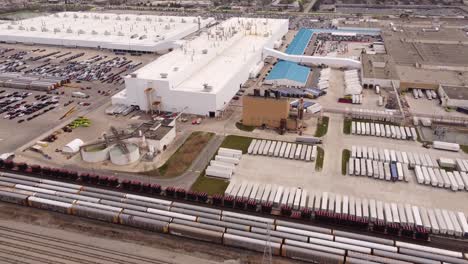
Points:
(373, 154)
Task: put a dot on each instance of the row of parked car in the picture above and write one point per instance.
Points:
(15, 107)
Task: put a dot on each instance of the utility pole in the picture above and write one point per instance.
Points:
(267, 258)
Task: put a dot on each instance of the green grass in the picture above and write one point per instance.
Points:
(464, 148)
(322, 127)
(209, 185)
(218, 186)
(237, 142)
(347, 126)
(242, 127)
(181, 160)
(344, 160)
(319, 160)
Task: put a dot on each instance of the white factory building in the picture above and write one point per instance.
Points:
(203, 75)
(118, 32)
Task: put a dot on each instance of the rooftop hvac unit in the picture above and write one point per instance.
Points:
(127, 18)
(175, 69)
(163, 75)
(32, 29)
(204, 51)
(11, 27)
(182, 20)
(120, 34)
(44, 29)
(106, 17)
(117, 18)
(107, 33)
(171, 20)
(160, 20)
(69, 30)
(85, 16)
(81, 31)
(207, 88)
(94, 32)
(134, 36)
(143, 37)
(75, 16)
(56, 15)
(138, 19)
(149, 19)
(65, 15)
(167, 26)
(133, 75)
(56, 30)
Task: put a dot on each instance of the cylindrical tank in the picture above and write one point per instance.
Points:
(95, 153)
(117, 157)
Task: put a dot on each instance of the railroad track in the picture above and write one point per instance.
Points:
(26, 247)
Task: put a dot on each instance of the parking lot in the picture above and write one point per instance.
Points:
(94, 76)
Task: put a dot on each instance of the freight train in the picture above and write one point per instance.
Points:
(288, 239)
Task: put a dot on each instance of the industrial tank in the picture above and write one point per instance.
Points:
(95, 153)
(117, 157)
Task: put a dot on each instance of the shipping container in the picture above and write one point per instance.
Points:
(388, 214)
(372, 129)
(402, 215)
(456, 224)
(440, 221)
(278, 196)
(345, 207)
(297, 155)
(358, 208)
(370, 153)
(292, 197)
(419, 174)
(401, 174)
(381, 154)
(277, 150)
(293, 151)
(427, 178)
(363, 167)
(398, 132)
(408, 133)
(369, 168)
(283, 149)
(288, 150)
(411, 161)
(358, 152)
(372, 211)
(447, 182)
(382, 130)
(266, 148)
(380, 211)
(377, 130)
(409, 215)
(358, 128)
(271, 151)
(266, 193)
(352, 207)
(432, 218)
(351, 166)
(448, 222)
(368, 129)
(459, 180)
(393, 132)
(432, 175)
(404, 156)
(394, 171)
(399, 157)
(257, 147)
(357, 167)
(403, 133)
(417, 159)
(462, 220)
(464, 177)
(338, 204)
(453, 182)
(425, 218)
(303, 200)
(388, 175)
(440, 180)
(446, 146)
(324, 202)
(273, 193)
(375, 169)
(364, 152)
(251, 146)
(450, 163)
(387, 155)
(313, 155)
(406, 173)
(428, 160)
(309, 153)
(381, 170)
(388, 131)
(393, 156)
(417, 216)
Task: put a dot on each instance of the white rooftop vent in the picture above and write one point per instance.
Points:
(182, 20)
(167, 26)
(56, 30)
(94, 32)
(163, 75)
(21, 28)
(204, 51)
(207, 88)
(81, 31)
(69, 30)
(44, 29)
(120, 34)
(10, 27)
(32, 29)
(160, 20)
(171, 20)
(176, 69)
(127, 18)
(107, 33)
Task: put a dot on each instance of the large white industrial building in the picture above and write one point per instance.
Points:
(203, 75)
(118, 32)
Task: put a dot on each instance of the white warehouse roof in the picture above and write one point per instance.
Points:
(111, 31)
(205, 73)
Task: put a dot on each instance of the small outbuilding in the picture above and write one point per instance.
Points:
(73, 146)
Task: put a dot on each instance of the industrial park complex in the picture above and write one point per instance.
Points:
(324, 139)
